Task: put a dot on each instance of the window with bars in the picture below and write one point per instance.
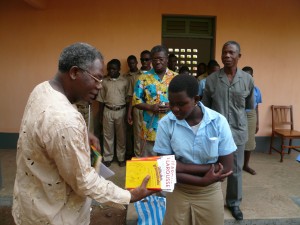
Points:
(186, 57)
(190, 38)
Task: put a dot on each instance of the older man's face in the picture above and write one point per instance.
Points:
(159, 62)
(230, 56)
(89, 82)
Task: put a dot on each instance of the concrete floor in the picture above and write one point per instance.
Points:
(270, 197)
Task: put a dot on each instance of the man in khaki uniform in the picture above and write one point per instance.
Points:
(134, 116)
(201, 72)
(112, 98)
(83, 108)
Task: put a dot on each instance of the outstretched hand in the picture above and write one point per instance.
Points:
(141, 191)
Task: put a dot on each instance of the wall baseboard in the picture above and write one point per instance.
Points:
(9, 141)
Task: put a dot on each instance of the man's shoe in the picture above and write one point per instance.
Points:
(122, 163)
(107, 163)
(236, 212)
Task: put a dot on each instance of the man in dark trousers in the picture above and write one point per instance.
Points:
(229, 91)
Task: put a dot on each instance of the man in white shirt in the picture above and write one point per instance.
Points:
(55, 182)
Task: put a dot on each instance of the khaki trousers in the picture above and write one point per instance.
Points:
(137, 126)
(114, 126)
(192, 205)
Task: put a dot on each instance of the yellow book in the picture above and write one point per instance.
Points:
(137, 170)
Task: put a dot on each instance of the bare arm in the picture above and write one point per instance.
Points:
(257, 119)
(129, 113)
(203, 175)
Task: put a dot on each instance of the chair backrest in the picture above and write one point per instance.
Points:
(282, 117)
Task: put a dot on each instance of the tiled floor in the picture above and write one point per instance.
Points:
(270, 197)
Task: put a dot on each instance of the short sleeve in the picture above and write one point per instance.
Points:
(259, 98)
(162, 143)
(226, 143)
(101, 95)
(138, 93)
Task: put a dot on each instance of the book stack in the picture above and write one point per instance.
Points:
(162, 171)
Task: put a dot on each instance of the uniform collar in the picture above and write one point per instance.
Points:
(207, 116)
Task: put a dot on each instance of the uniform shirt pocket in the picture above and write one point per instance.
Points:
(210, 150)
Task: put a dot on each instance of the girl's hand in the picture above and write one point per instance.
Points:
(211, 176)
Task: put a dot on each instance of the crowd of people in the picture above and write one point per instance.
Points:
(208, 122)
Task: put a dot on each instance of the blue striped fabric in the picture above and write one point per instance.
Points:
(151, 210)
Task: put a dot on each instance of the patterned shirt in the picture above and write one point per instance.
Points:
(55, 181)
(150, 89)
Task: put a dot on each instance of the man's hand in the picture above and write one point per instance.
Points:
(129, 119)
(141, 191)
(154, 108)
(93, 140)
(164, 107)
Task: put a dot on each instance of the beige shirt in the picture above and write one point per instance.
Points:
(55, 181)
(132, 78)
(202, 76)
(114, 91)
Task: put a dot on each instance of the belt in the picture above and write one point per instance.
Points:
(115, 107)
(82, 107)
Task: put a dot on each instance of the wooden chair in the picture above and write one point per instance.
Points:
(283, 127)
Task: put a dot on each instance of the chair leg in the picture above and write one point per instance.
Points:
(282, 150)
(290, 144)
(271, 144)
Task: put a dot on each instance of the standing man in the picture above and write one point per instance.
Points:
(201, 72)
(145, 61)
(112, 98)
(173, 62)
(55, 183)
(151, 96)
(134, 117)
(253, 125)
(229, 91)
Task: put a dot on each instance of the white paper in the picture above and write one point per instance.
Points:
(105, 172)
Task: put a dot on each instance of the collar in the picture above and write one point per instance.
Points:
(208, 116)
(238, 75)
(114, 79)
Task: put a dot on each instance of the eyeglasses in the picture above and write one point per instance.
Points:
(145, 59)
(158, 59)
(91, 75)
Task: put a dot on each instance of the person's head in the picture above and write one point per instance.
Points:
(146, 60)
(80, 69)
(132, 63)
(183, 95)
(159, 56)
(113, 68)
(184, 70)
(212, 66)
(248, 69)
(172, 62)
(201, 69)
(231, 53)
